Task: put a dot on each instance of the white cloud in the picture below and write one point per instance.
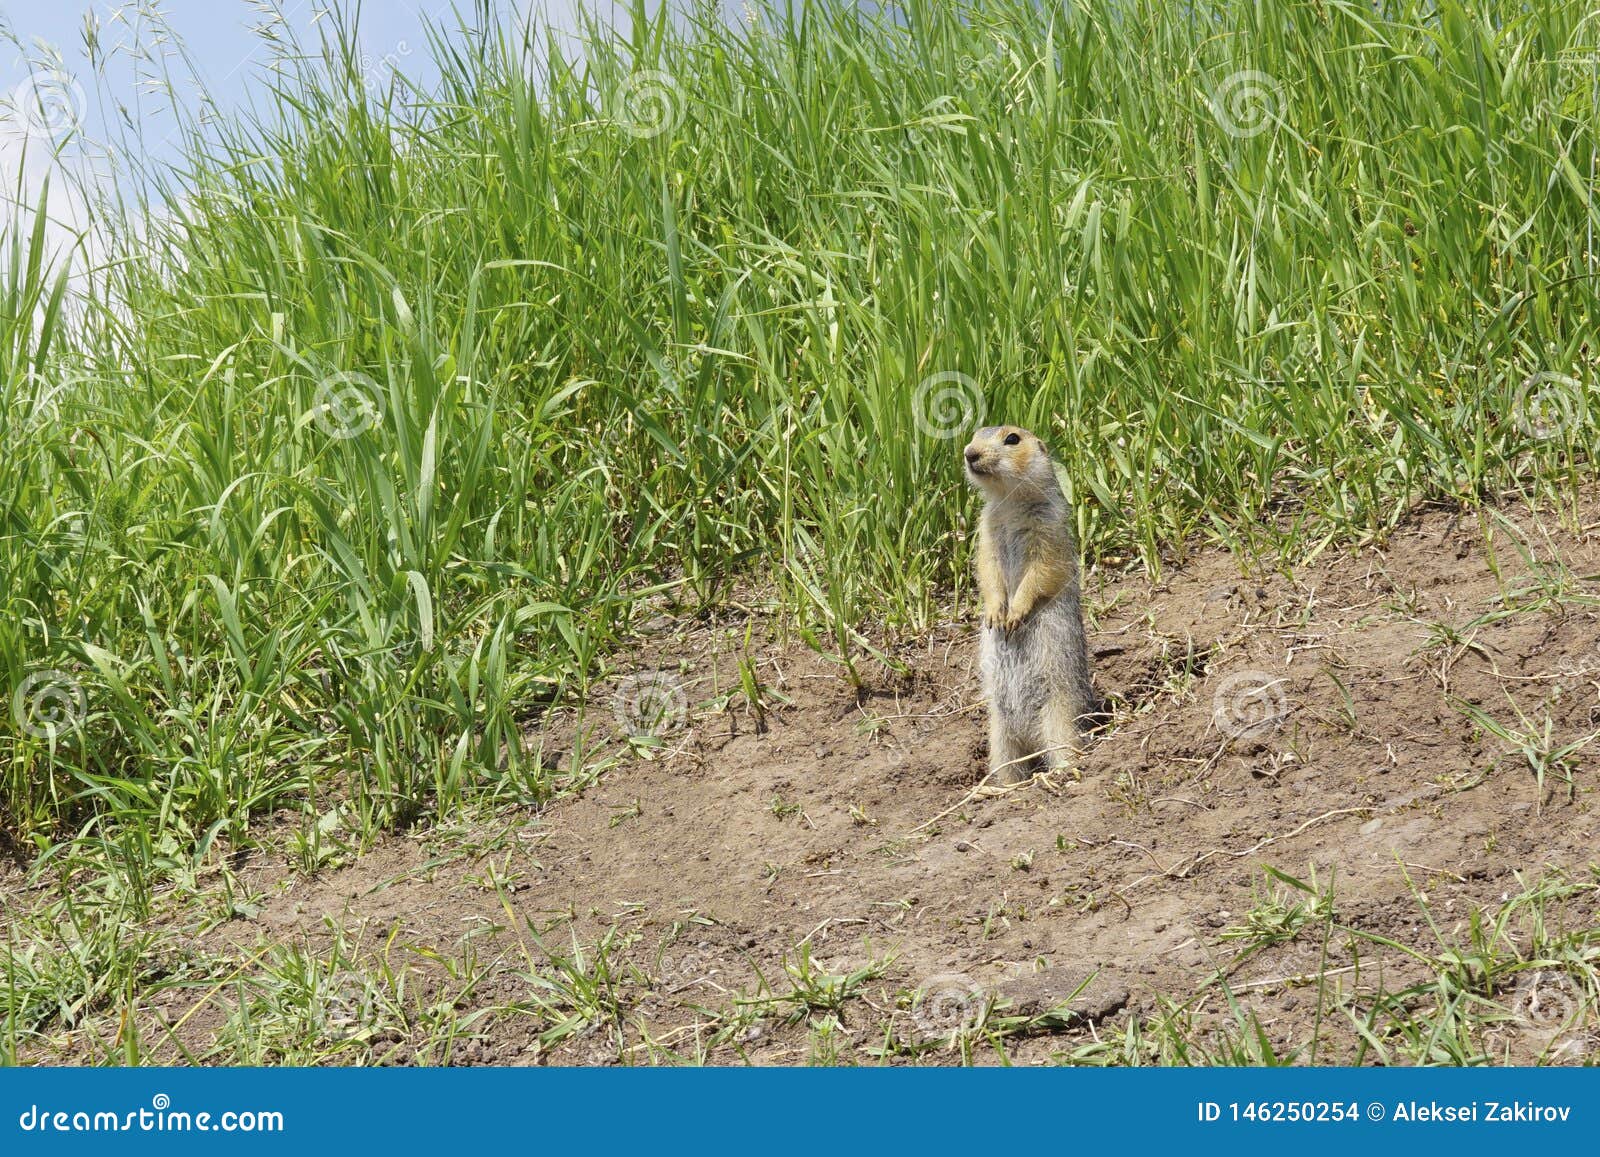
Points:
(41, 169)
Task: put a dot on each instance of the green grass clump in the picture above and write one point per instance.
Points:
(385, 407)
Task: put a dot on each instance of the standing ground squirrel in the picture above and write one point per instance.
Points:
(1032, 655)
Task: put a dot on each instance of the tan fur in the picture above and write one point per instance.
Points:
(1033, 652)
(1047, 574)
(991, 586)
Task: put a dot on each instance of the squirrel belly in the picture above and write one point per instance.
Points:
(1022, 668)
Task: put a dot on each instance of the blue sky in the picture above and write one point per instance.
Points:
(225, 42)
(49, 80)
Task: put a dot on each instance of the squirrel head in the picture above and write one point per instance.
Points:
(1008, 461)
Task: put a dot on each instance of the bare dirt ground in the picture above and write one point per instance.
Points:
(827, 880)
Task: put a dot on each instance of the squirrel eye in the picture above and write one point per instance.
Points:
(1013, 439)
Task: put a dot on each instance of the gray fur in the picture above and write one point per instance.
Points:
(1036, 677)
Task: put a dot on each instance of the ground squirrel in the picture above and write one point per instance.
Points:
(1033, 655)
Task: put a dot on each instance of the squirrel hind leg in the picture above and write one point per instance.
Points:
(1062, 722)
(1008, 762)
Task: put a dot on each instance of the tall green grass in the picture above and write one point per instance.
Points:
(389, 406)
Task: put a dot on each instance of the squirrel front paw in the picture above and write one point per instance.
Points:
(1006, 620)
(991, 620)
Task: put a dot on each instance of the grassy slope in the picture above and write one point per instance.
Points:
(578, 359)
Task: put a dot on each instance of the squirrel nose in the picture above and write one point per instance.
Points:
(973, 456)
